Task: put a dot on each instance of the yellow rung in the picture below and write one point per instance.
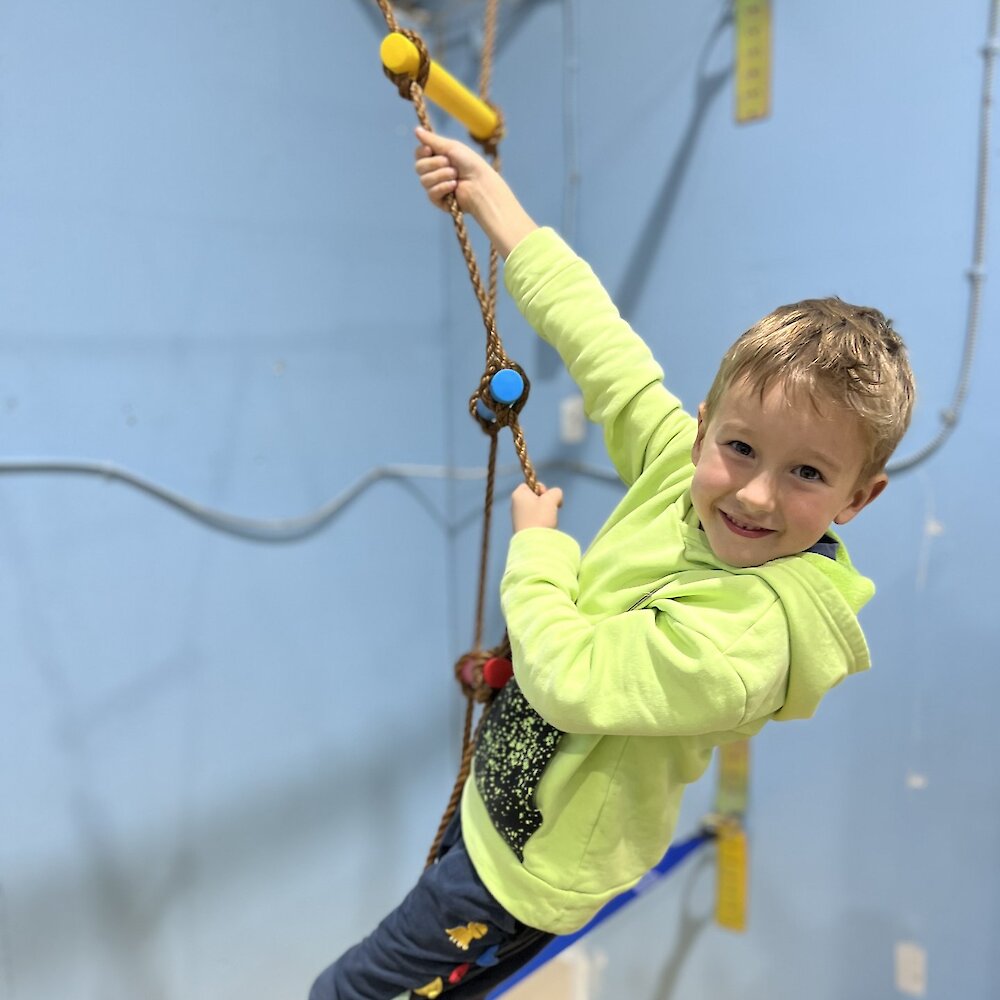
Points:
(400, 55)
(732, 876)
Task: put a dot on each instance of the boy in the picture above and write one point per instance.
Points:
(714, 599)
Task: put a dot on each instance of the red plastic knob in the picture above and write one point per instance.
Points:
(497, 671)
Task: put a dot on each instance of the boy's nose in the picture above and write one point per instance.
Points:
(758, 495)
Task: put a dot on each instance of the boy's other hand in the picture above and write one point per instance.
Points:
(531, 510)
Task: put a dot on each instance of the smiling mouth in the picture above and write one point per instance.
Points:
(744, 530)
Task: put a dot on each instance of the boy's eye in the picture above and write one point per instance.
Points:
(809, 473)
(741, 448)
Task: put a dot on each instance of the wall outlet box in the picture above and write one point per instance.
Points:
(572, 420)
(911, 969)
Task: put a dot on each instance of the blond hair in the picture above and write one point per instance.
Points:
(837, 352)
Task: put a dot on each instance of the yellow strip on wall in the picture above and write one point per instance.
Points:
(732, 866)
(732, 877)
(733, 789)
(753, 59)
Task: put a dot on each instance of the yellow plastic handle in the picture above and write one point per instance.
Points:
(400, 55)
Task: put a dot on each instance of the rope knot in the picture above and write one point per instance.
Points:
(500, 396)
(481, 673)
(491, 144)
(403, 81)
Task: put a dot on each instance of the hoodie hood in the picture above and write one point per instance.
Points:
(821, 597)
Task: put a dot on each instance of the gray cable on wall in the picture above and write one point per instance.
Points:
(283, 529)
(977, 273)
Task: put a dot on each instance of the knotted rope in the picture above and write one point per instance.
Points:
(469, 667)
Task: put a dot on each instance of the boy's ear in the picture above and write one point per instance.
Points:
(699, 440)
(862, 497)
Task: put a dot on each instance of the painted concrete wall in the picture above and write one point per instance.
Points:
(224, 759)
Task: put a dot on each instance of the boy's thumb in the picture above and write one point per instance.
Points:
(432, 139)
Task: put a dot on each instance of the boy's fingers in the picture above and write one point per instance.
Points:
(439, 192)
(431, 161)
(555, 493)
(436, 177)
(437, 143)
(425, 163)
(440, 176)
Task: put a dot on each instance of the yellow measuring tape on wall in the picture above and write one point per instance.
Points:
(733, 855)
(753, 59)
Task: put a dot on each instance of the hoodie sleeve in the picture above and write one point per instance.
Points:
(710, 656)
(621, 382)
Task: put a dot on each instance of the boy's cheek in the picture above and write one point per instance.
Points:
(709, 475)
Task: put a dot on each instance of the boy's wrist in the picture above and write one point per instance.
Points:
(515, 229)
(533, 524)
(503, 218)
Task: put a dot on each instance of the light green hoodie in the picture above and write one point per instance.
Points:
(634, 661)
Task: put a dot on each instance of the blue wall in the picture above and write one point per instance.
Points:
(224, 759)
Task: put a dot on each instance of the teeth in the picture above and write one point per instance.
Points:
(740, 524)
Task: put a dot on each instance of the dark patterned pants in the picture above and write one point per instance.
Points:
(449, 937)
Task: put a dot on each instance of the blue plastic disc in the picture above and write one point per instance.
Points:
(506, 386)
(484, 411)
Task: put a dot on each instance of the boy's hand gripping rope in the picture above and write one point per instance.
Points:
(501, 394)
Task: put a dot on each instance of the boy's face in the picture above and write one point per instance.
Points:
(772, 474)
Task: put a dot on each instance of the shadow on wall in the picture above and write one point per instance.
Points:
(708, 85)
(692, 925)
(643, 951)
(115, 913)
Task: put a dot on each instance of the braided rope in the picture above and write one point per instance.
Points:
(387, 13)
(469, 668)
(484, 544)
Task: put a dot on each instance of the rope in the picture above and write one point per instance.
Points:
(469, 668)
(484, 544)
